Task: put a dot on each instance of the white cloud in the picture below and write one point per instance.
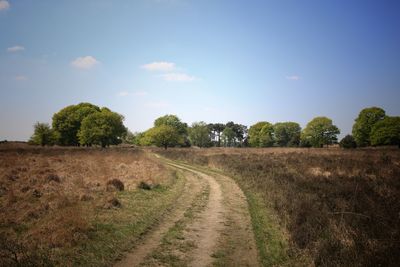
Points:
(86, 62)
(4, 5)
(157, 104)
(21, 78)
(178, 77)
(293, 77)
(159, 66)
(15, 48)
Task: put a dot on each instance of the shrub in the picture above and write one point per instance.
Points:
(144, 185)
(116, 184)
(348, 142)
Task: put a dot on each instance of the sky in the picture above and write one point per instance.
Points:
(204, 60)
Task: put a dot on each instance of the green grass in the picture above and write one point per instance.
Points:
(114, 232)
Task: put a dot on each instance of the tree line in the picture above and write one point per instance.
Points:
(86, 124)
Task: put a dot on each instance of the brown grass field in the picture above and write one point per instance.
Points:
(334, 207)
(55, 202)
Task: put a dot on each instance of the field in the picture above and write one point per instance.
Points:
(323, 207)
(218, 206)
(58, 205)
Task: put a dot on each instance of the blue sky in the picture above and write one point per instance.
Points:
(209, 60)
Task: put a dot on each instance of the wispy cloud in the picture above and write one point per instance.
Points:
(15, 48)
(157, 104)
(86, 62)
(293, 77)
(21, 78)
(178, 77)
(159, 66)
(4, 5)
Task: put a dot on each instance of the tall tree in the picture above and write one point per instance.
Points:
(364, 123)
(254, 133)
(319, 132)
(217, 128)
(162, 136)
(43, 134)
(177, 124)
(287, 133)
(266, 135)
(228, 137)
(199, 134)
(67, 122)
(102, 128)
(386, 132)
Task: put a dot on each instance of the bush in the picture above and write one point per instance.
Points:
(144, 185)
(348, 142)
(116, 183)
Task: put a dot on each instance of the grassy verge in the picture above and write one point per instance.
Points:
(116, 230)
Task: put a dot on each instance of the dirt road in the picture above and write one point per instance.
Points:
(210, 225)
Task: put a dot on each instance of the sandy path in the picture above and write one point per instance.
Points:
(150, 242)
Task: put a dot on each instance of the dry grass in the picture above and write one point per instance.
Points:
(338, 207)
(51, 198)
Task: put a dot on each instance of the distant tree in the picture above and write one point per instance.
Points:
(348, 142)
(67, 122)
(266, 135)
(363, 124)
(287, 133)
(199, 134)
(228, 137)
(319, 132)
(216, 129)
(43, 135)
(177, 124)
(162, 136)
(239, 130)
(129, 138)
(254, 133)
(102, 128)
(386, 132)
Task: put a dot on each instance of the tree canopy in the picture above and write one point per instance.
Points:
(364, 122)
(266, 135)
(199, 134)
(254, 133)
(162, 136)
(287, 133)
(386, 132)
(319, 132)
(43, 135)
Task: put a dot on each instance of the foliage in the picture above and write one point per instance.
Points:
(67, 122)
(102, 128)
(266, 135)
(287, 134)
(199, 134)
(348, 142)
(239, 130)
(386, 132)
(228, 137)
(364, 123)
(162, 136)
(319, 132)
(180, 127)
(216, 131)
(254, 133)
(43, 135)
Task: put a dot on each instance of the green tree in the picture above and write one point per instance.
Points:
(162, 136)
(67, 122)
(319, 132)
(102, 128)
(239, 130)
(228, 137)
(216, 129)
(348, 142)
(254, 133)
(266, 135)
(287, 133)
(386, 132)
(199, 134)
(43, 135)
(364, 123)
(177, 124)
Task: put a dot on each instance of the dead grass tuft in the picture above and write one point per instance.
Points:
(115, 184)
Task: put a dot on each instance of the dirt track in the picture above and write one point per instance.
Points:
(211, 225)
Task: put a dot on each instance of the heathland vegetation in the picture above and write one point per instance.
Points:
(86, 124)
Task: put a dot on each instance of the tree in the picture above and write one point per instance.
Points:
(217, 129)
(162, 136)
(199, 134)
(266, 135)
(228, 137)
(239, 130)
(43, 134)
(386, 132)
(102, 128)
(348, 142)
(177, 124)
(287, 133)
(364, 123)
(67, 122)
(319, 132)
(254, 133)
